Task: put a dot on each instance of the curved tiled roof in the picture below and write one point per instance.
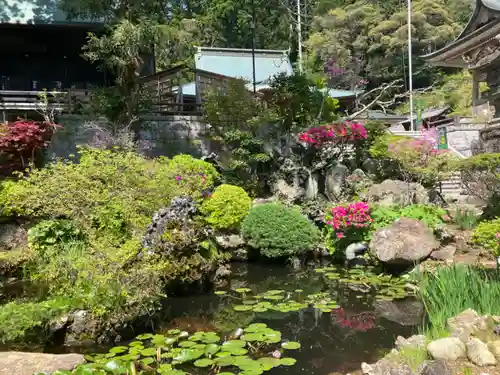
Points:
(470, 29)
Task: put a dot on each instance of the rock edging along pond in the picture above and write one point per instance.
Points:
(473, 343)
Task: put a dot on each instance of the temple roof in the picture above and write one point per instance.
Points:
(483, 25)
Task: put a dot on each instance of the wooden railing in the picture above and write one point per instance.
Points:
(179, 90)
(182, 89)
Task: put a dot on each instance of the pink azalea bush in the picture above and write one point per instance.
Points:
(347, 131)
(346, 218)
(346, 224)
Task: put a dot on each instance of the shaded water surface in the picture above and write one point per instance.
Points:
(361, 329)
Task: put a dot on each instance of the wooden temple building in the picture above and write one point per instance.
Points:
(477, 48)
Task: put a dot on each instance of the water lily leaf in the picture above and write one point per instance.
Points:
(199, 346)
(81, 371)
(242, 290)
(242, 308)
(186, 344)
(187, 355)
(118, 349)
(158, 339)
(252, 337)
(148, 352)
(267, 363)
(59, 372)
(144, 336)
(226, 373)
(255, 327)
(223, 354)
(287, 361)
(224, 361)
(172, 372)
(220, 292)
(163, 368)
(250, 302)
(291, 345)
(237, 351)
(147, 361)
(258, 309)
(211, 349)
(234, 343)
(173, 331)
(115, 367)
(204, 362)
(273, 297)
(275, 291)
(170, 341)
(298, 290)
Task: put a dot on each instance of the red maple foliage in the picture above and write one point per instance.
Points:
(23, 138)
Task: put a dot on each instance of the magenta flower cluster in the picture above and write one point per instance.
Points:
(334, 133)
(344, 218)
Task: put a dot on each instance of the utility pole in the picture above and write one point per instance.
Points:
(410, 69)
(253, 47)
(299, 34)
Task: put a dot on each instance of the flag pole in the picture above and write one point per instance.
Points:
(410, 69)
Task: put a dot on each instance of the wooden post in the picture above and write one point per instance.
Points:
(475, 88)
(197, 90)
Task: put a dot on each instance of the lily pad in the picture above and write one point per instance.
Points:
(220, 292)
(287, 361)
(291, 345)
(242, 290)
(204, 362)
(242, 308)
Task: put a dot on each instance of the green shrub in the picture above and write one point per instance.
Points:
(451, 290)
(227, 207)
(279, 231)
(431, 215)
(18, 318)
(48, 233)
(88, 248)
(485, 235)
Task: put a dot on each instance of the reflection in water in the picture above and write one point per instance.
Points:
(334, 341)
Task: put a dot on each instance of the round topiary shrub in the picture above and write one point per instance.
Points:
(227, 207)
(279, 231)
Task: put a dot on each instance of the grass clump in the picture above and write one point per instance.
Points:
(451, 290)
(278, 231)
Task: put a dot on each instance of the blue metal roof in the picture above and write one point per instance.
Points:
(190, 89)
(237, 63)
(35, 12)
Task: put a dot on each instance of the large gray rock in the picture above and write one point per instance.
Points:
(447, 349)
(404, 243)
(444, 253)
(288, 193)
(12, 236)
(312, 186)
(230, 242)
(438, 367)
(20, 363)
(479, 354)
(407, 312)
(335, 179)
(467, 323)
(415, 341)
(391, 192)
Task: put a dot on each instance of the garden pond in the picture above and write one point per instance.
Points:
(315, 321)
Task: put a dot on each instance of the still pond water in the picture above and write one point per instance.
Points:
(362, 328)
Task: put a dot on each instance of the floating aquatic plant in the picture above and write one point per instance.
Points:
(256, 349)
(280, 301)
(386, 287)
